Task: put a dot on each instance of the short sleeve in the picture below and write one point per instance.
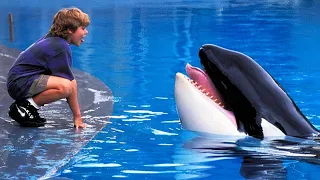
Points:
(60, 65)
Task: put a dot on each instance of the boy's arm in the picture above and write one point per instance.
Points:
(60, 65)
(74, 106)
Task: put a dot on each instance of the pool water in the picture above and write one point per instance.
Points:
(137, 47)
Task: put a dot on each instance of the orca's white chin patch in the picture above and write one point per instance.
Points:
(200, 110)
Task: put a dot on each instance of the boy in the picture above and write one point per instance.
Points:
(42, 73)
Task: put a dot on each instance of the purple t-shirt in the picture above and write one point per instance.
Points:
(49, 55)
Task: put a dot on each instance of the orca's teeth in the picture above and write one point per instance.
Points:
(204, 91)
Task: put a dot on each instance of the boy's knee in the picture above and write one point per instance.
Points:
(66, 88)
(74, 84)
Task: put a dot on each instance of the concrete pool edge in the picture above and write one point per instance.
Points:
(96, 103)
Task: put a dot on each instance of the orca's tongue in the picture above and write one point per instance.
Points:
(204, 81)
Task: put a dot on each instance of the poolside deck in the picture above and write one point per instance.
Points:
(40, 152)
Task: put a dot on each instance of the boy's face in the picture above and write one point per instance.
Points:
(77, 37)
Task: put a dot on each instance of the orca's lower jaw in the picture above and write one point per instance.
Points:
(233, 98)
(198, 108)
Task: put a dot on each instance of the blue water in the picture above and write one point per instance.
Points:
(136, 47)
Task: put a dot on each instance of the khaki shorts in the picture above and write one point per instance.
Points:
(38, 85)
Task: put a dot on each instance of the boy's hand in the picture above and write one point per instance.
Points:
(78, 123)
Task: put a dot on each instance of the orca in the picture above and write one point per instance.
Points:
(234, 95)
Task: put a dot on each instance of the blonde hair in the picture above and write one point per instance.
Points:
(68, 19)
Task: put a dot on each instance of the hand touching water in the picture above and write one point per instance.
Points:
(78, 123)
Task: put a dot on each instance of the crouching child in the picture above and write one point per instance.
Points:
(42, 73)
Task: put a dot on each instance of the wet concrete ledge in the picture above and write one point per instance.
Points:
(36, 153)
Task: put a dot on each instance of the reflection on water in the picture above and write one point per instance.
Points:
(136, 47)
(271, 158)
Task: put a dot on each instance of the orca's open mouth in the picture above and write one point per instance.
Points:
(203, 82)
(200, 80)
